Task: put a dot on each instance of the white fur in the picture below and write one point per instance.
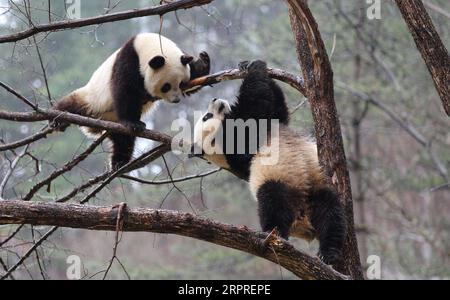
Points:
(210, 127)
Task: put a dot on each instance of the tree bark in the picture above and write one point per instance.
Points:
(318, 79)
(430, 46)
(171, 222)
(108, 18)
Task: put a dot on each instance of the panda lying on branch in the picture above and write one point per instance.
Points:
(292, 192)
(147, 68)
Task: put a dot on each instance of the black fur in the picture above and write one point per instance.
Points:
(200, 66)
(185, 59)
(274, 207)
(129, 96)
(328, 220)
(259, 98)
(123, 146)
(157, 62)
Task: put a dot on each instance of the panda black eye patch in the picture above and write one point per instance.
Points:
(207, 117)
(166, 87)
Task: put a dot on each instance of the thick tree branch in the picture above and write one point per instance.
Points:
(430, 46)
(293, 80)
(318, 77)
(125, 15)
(82, 121)
(171, 222)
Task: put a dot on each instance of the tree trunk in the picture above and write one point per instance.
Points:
(318, 78)
(430, 46)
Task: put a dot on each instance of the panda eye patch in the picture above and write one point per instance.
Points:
(207, 117)
(166, 87)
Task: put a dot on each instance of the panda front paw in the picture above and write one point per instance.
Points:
(254, 66)
(257, 66)
(204, 56)
(135, 126)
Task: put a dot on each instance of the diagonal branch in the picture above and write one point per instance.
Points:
(165, 221)
(430, 46)
(33, 138)
(66, 168)
(82, 121)
(125, 15)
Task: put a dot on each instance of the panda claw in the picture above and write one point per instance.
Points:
(243, 65)
(257, 65)
(329, 257)
(204, 56)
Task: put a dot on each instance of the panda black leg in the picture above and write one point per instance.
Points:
(328, 219)
(122, 151)
(274, 209)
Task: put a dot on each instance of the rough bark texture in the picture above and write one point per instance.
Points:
(318, 78)
(165, 221)
(430, 46)
(51, 114)
(125, 15)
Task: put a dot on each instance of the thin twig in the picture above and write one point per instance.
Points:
(161, 182)
(66, 168)
(29, 252)
(35, 137)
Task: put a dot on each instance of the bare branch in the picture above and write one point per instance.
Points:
(15, 93)
(11, 170)
(67, 167)
(407, 127)
(41, 114)
(125, 15)
(174, 180)
(35, 137)
(29, 252)
(164, 221)
(293, 80)
(82, 121)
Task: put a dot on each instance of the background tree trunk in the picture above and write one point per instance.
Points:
(318, 77)
(430, 46)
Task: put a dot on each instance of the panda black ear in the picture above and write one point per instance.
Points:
(157, 62)
(185, 59)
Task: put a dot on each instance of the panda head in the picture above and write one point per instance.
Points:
(208, 126)
(163, 65)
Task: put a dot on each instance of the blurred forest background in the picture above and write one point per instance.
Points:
(396, 134)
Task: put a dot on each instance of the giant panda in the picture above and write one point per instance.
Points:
(292, 191)
(146, 68)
